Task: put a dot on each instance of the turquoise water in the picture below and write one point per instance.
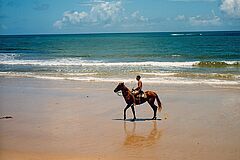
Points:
(169, 57)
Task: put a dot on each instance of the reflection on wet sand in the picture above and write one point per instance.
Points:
(137, 139)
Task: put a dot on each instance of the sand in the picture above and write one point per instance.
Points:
(65, 120)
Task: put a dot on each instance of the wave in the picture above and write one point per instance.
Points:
(148, 80)
(9, 60)
(81, 62)
(159, 74)
(177, 34)
(216, 64)
(49, 62)
(147, 63)
(220, 76)
(8, 56)
(176, 55)
(186, 34)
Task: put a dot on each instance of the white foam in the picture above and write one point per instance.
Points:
(148, 63)
(231, 62)
(176, 55)
(159, 74)
(186, 34)
(78, 74)
(155, 80)
(50, 62)
(227, 62)
(177, 34)
(7, 56)
(80, 62)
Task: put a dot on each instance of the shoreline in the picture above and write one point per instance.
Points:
(66, 119)
(148, 81)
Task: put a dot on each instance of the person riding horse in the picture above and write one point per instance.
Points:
(130, 100)
(137, 92)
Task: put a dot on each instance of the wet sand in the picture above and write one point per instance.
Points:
(83, 120)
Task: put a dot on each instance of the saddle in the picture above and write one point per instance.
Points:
(140, 95)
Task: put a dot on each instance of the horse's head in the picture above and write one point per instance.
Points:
(119, 87)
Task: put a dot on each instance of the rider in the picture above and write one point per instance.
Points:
(138, 90)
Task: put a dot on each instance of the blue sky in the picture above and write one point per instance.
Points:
(91, 16)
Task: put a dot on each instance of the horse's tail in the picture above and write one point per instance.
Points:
(159, 103)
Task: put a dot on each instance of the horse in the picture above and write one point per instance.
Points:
(129, 98)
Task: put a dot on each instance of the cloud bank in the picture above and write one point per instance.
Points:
(112, 15)
(101, 13)
(199, 20)
(205, 21)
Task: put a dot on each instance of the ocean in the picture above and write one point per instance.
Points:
(165, 57)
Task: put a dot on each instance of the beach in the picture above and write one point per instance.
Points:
(65, 66)
(68, 119)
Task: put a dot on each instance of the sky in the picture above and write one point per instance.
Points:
(101, 16)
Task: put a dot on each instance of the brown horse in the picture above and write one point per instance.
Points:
(149, 97)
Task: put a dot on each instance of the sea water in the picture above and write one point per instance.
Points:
(164, 57)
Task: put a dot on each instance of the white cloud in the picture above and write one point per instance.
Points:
(75, 17)
(71, 18)
(137, 17)
(106, 12)
(231, 8)
(101, 13)
(180, 18)
(201, 21)
(205, 21)
(58, 24)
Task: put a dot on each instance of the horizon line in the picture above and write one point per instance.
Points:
(137, 32)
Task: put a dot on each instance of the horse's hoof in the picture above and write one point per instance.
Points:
(133, 119)
(154, 118)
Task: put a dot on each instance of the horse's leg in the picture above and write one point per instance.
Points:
(134, 116)
(154, 107)
(125, 109)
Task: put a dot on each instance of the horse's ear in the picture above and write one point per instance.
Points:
(121, 83)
